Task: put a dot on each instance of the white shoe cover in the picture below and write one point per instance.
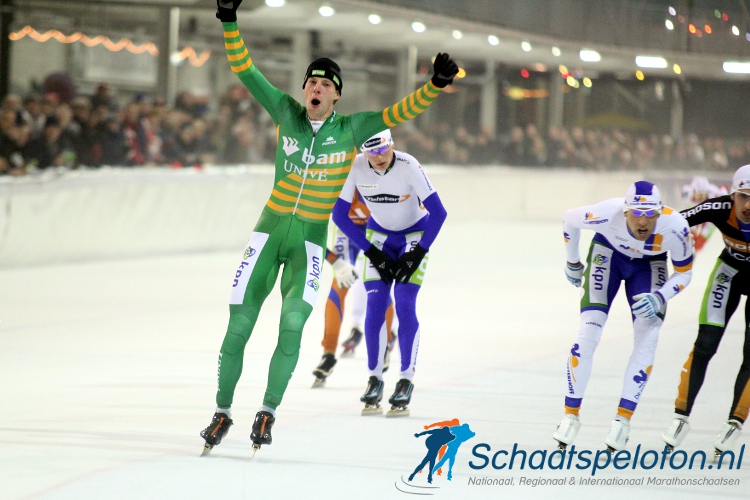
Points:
(567, 428)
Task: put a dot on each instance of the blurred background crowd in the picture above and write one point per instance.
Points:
(40, 131)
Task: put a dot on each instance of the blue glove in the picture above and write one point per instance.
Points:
(574, 273)
(647, 304)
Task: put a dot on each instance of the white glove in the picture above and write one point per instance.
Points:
(574, 273)
(647, 304)
(345, 273)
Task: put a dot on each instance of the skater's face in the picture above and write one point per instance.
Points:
(742, 205)
(320, 96)
(380, 158)
(641, 225)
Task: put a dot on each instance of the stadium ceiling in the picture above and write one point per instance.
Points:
(349, 29)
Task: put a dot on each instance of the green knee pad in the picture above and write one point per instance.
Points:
(238, 332)
(290, 332)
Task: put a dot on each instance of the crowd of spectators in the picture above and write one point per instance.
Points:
(42, 131)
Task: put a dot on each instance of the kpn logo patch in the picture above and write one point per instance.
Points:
(600, 259)
(442, 441)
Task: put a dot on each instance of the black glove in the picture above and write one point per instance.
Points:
(445, 69)
(408, 263)
(382, 262)
(226, 11)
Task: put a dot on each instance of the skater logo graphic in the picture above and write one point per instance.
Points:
(443, 441)
(641, 380)
(249, 252)
(723, 278)
(600, 260)
(574, 355)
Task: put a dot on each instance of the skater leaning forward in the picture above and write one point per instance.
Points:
(342, 254)
(633, 237)
(406, 217)
(729, 281)
(291, 231)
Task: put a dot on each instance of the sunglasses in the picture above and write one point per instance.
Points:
(378, 151)
(651, 212)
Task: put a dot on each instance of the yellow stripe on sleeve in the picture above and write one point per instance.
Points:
(683, 269)
(237, 57)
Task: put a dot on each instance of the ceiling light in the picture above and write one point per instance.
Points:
(677, 69)
(587, 55)
(650, 62)
(669, 24)
(418, 27)
(493, 40)
(556, 51)
(736, 67)
(639, 75)
(275, 3)
(735, 31)
(326, 11)
(526, 46)
(374, 19)
(587, 82)
(457, 34)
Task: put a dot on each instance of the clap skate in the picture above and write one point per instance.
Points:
(618, 436)
(324, 369)
(372, 396)
(215, 432)
(261, 433)
(566, 430)
(351, 343)
(400, 399)
(676, 433)
(729, 433)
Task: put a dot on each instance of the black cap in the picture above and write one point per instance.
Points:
(325, 68)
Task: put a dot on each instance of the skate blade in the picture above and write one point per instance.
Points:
(207, 449)
(371, 410)
(348, 353)
(397, 412)
(319, 382)
(670, 448)
(561, 445)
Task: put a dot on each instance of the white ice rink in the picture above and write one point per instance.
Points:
(108, 374)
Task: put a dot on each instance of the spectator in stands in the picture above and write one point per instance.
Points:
(49, 149)
(12, 136)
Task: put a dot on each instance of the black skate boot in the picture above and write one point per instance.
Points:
(372, 396)
(400, 399)
(215, 432)
(351, 343)
(261, 433)
(324, 369)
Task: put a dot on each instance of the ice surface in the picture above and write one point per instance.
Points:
(108, 374)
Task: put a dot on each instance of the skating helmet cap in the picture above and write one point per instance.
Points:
(378, 141)
(642, 195)
(700, 184)
(741, 179)
(325, 68)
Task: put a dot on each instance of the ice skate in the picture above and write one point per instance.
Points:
(215, 432)
(351, 343)
(400, 399)
(618, 435)
(372, 396)
(729, 433)
(676, 433)
(324, 369)
(566, 430)
(261, 433)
